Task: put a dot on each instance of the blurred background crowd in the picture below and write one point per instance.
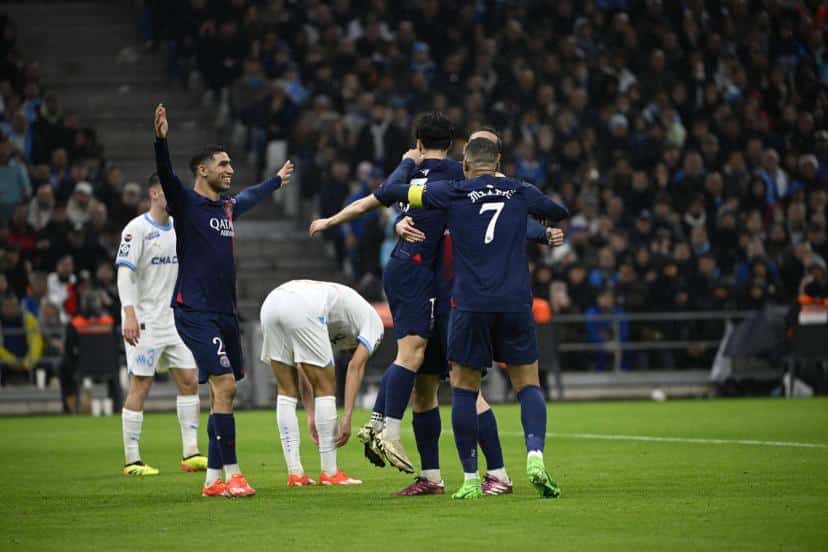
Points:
(689, 139)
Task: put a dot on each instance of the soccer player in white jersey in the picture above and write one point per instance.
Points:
(147, 269)
(303, 322)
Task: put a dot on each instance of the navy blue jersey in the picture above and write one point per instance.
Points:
(487, 218)
(430, 222)
(205, 238)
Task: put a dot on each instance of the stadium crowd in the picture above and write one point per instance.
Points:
(61, 211)
(689, 138)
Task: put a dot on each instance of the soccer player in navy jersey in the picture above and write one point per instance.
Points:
(408, 279)
(204, 299)
(491, 317)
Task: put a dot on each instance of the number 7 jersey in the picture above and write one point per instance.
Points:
(487, 218)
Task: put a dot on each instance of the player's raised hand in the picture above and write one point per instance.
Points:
(407, 231)
(285, 172)
(131, 329)
(554, 236)
(319, 225)
(415, 155)
(161, 125)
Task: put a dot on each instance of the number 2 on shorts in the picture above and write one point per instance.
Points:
(220, 350)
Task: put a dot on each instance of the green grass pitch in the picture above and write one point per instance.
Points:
(697, 490)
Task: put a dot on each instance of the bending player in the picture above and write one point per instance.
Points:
(491, 317)
(204, 298)
(147, 269)
(303, 322)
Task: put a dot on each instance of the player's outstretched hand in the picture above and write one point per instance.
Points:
(407, 231)
(319, 225)
(312, 429)
(131, 330)
(161, 125)
(344, 432)
(415, 155)
(285, 172)
(555, 236)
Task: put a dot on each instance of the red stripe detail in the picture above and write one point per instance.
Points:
(417, 258)
(179, 298)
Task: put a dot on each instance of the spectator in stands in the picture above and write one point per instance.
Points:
(104, 284)
(14, 181)
(61, 287)
(41, 207)
(16, 270)
(604, 332)
(54, 337)
(109, 191)
(38, 286)
(80, 206)
(91, 318)
(20, 233)
(127, 208)
(332, 196)
(22, 344)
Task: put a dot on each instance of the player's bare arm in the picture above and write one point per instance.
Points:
(350, 212)
(353, 381)
(306, 392)
(131, 328)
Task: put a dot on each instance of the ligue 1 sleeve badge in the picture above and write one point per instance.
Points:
(224, 361)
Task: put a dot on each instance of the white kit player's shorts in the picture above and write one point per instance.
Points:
(147, 358)
(294, 331)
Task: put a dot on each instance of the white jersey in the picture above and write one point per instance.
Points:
(148, 249)
(349, 318)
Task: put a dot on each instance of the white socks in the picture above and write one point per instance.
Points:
(393, 427)
(213, 475)
(537, 453)
(499, 474)
(187, 407)
(326, 428)
(432, 475)
(288, 426)
(131, 423)
(230, 470)
(468, 476)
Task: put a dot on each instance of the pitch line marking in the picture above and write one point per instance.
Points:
(694, 440)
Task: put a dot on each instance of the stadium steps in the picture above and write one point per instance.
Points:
(103, 74)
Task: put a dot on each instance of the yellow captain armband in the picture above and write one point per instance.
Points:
(415, 195)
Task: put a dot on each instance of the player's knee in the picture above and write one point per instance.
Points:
(188, 387)
(523, 376)
(140, 386)
(411, 352)
(465, 378)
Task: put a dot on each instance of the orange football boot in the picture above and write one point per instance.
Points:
(237, 486)
(337, 479)
(218, 488)
(295, 480)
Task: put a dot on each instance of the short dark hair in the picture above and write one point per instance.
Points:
(154, 180)
(435, 131)
(204, 155)
(481, 150)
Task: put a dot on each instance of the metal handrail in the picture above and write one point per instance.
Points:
(617, 347)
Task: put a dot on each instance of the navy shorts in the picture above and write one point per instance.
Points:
(214, 339)
(409, 288)
(477, 338)
(435, 361)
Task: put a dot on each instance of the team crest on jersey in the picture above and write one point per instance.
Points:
(152, 235)
(123, 251)
(128, 238)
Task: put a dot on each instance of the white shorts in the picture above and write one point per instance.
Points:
(293, 332)
(148, 358)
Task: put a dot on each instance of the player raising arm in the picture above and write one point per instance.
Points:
(492, 316)
(303, 322)
(147, 269)
(204, 298)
